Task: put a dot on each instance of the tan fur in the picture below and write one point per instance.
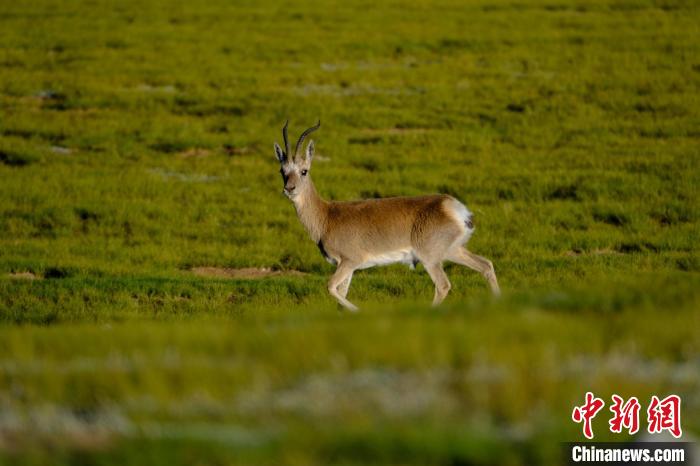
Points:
(360, 234)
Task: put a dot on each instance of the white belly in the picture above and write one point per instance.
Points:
(404, 256)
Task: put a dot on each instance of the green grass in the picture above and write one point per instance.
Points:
(136, 143)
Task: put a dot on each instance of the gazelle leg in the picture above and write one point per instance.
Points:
(345, 286)
(342, 273)
(482, 265)
(442, 283)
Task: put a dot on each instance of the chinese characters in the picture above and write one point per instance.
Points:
(661, 415)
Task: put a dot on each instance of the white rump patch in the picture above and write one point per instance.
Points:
(463, 217)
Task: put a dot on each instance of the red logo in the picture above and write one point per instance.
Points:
(587, 412)
(624, 415)
(661, 415)
(665, 415)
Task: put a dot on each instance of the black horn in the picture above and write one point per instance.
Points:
(286, 139)
(304, 134)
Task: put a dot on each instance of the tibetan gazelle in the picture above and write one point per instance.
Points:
(361, 234)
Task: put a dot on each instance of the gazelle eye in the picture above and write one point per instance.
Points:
(304, 172)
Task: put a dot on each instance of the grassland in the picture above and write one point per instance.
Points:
(136, 144)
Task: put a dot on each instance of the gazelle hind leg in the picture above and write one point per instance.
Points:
(430, 250)
(335, 284)
(442, 283)
(345, 286)
(461, 255)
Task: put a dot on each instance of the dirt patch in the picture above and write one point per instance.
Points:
(246, 272)
(195, 152)
(396, 130)
(60, 150)
(347, 90)
(186, 177)
(231, 150)
(594, 252)
(23, 276)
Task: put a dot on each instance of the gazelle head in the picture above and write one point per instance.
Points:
(294, 168)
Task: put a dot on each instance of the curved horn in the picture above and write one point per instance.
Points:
(286, 139)
(304, 134)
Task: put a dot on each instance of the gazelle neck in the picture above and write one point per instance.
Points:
(312, 211)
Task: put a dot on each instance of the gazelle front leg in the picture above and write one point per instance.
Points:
(337, 286)
(475, 262)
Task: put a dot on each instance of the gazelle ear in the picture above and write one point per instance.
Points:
(278, 152)
(310, 151)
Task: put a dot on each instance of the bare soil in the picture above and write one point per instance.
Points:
(23, 276)
(195, 152)
(246, 272)
(594, 252)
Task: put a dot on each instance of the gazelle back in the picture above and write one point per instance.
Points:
(360, 234)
